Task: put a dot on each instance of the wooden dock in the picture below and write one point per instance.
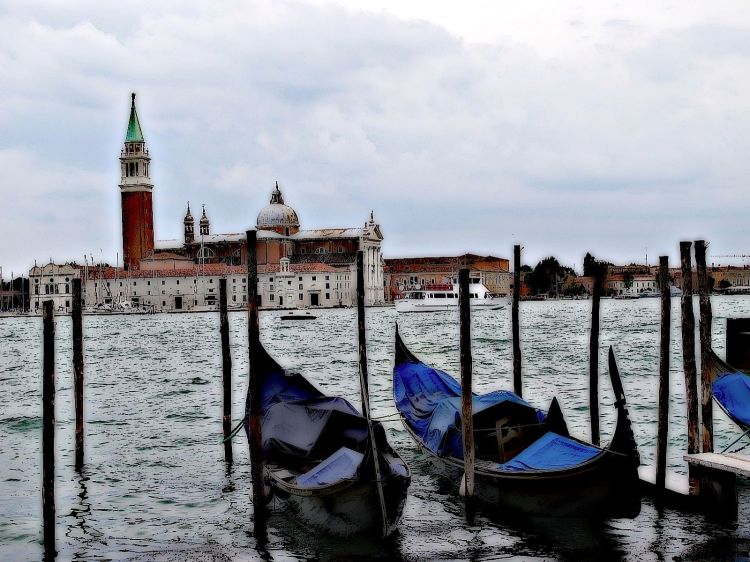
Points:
(717, 475)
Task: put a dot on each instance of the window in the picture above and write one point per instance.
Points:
(211, 280)
(300, 296)
(234, 298)
(341, 249)
(162, 281)
(270, 279)
(67, 288)
(134, 283)
(148, 283)
(321, 251)
(205, 253)
(300, 278)
(288, 282)
(328, 296)
(120, 283)
(300, 286)
(313, 277)
(271, 297)
(302, 251)
(271, 288)
(326, 277)
(328, 285)
(178, 282)
(67, 304)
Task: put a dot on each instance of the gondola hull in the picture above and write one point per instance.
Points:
(344, 511)
(607, 489)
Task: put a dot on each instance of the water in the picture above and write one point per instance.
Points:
(155, 485)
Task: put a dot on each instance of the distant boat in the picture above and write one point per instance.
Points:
(298, 315)
(445, 297)
(627, 296)
(318, 457)
(525, 459)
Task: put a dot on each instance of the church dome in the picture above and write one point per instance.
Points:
(276, 215)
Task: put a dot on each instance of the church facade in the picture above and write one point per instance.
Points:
(296, 267)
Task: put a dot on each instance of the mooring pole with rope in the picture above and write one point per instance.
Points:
(364, 387)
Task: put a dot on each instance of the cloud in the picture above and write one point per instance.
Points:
(630, 134)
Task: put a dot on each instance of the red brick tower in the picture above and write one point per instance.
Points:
(135, 188)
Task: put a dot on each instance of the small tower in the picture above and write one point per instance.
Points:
(135, 191)
(189, 226)
(204, 223)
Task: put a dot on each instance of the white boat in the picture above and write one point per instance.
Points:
(445, 297)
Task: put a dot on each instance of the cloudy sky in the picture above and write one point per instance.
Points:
(613, 127)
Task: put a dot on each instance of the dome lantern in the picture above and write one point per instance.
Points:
(277, 216)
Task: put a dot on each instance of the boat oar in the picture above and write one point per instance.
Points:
(364, 389)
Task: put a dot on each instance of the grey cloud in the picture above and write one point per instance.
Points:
(455, 146)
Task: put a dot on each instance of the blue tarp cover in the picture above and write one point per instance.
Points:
(550, 452)
(430, 400)
(343, 464)
(732, 391)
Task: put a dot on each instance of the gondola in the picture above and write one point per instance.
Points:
(525, 459)
(731, 390)
(318, 459)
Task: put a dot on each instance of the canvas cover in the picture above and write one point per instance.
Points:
(343, 464)
(310, 430)
(430, 400)
(304, 429)
(551, 452)
(732, 391)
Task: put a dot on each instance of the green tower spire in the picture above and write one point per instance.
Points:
(134, 126)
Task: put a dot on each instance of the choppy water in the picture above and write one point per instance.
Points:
(155, 485)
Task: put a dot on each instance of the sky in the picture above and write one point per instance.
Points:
(611, 127)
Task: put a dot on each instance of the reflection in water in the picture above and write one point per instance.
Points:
(156, 485)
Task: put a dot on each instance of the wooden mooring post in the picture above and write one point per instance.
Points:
(467, 420)
(252, 400)
(48, 429)
(594, 356)
(517, 380)
(226, 364)
(706, 318)
(365, 390)
(688, 355)
(663, 425)
(77, 319)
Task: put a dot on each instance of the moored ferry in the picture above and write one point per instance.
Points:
(445, 297)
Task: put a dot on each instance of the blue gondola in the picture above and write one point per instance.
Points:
(525, 459)
(317, 457)
(731, 390)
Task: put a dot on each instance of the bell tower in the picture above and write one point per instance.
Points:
(135, 190)
(189, 226)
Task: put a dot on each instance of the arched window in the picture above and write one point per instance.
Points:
(205, 253)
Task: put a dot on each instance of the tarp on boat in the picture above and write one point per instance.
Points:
(430, 400)
(311, 430)
(732, 391)
(343, 464)
(551, 452)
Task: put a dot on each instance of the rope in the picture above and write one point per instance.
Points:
(735, 441)
(234, 432)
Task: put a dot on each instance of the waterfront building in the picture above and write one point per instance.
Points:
(403, 274)
(296, 267)
(52, 282)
